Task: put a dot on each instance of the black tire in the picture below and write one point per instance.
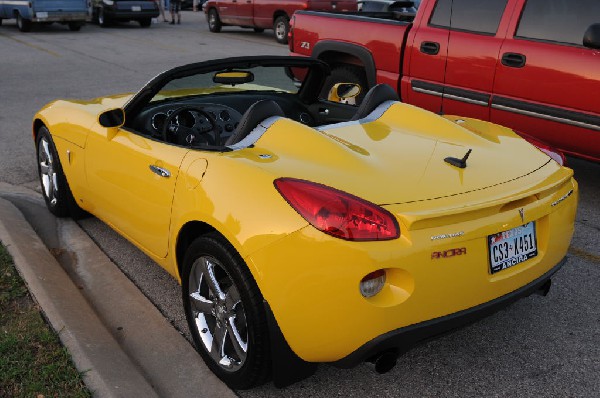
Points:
(145, 23)
(259, 30)
(214, 22)
(55, 189)
(74, 26)
(0, 21)
(239, 310)
(23, 24)
(346, 74)
(281, 26)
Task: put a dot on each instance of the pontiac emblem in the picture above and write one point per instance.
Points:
(522, 214)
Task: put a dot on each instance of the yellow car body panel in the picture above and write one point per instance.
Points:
(316, 299)
(310, 279)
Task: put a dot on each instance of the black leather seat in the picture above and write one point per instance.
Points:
(258, 112)
(375, 97)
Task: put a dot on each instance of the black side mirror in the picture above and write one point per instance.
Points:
(591, 38)
(112, 118)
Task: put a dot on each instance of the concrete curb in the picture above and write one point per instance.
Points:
(107, 371)
(114, 333)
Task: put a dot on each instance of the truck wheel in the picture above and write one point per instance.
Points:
(23, 24)
(214, 22)
(346, 74)
(0, 21)
(74, 26)
(145, 23)
(225, 312)
(281, 28)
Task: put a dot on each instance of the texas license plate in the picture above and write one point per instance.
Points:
(512, 247)
(41, 15)
(136, 8)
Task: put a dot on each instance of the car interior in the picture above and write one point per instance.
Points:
(188, 111)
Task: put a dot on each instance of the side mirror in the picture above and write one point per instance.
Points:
(112, 118)
(591, 38)
(342, 92)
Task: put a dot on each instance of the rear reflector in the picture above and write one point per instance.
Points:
(372, 284)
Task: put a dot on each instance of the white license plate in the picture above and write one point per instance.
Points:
(41, 15)
(136, 8)
(512, 247)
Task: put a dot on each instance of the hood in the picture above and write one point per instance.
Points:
(399, 158)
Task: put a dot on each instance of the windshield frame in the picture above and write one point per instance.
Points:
(308, 92)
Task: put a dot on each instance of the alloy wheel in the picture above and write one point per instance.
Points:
(218, 313)
(48, 174)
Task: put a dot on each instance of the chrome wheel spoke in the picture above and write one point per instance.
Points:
(232, 299)
(211, 279)
(239, 345)
(233, 305)
(217, 350)
(201, 304)
(54, 188)
(44, 168)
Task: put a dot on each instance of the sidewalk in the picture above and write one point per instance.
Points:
(117, 338)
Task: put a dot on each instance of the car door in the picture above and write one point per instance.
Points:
(459, 50)
(228, 11)
(425, 66)
(548, 83)
(132, 179)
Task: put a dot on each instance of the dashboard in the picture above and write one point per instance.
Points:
(210, 120)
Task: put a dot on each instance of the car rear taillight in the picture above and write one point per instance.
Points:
(372, 283)
(338, 213)
(554, 153)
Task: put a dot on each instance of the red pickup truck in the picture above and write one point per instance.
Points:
(266, 14)
(531, 65)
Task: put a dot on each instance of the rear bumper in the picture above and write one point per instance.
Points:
(130, 15)
(63, 17)
(403, 339)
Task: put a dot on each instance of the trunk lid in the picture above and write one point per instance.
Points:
(399, 158)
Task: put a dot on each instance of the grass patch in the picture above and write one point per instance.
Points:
(33, 363)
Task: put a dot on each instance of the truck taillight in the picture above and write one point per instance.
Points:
(338, 213)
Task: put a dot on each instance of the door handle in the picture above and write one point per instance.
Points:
(160, 171)
(430, 47)
(513, 60)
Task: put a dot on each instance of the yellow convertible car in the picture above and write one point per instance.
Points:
(305, 230)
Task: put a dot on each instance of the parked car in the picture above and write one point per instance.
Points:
(388, 5)
(105, 12)
(73, 13)
(265, 14)
(531, 65)
(305, 230)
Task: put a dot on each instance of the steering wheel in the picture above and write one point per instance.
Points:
(182, 127)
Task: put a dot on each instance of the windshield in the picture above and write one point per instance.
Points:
(259, 78)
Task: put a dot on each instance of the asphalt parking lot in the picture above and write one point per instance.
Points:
(541, 346)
